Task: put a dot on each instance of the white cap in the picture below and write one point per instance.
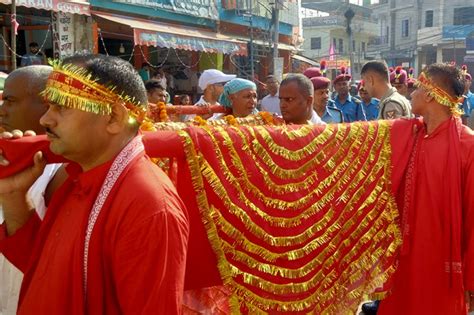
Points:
(213, 76)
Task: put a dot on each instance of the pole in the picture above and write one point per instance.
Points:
(13, 36)
(454, 50)
(349, 15)
(252, 71)
(276, 12)
(351, 57)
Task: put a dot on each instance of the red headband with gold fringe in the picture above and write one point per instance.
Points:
(439, 94)
(73, 87)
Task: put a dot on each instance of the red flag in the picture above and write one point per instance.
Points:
(14, 23)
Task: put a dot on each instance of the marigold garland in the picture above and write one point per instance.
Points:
(199, 121)
(231, 120)
(162, 112)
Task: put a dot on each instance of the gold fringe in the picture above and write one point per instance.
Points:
(382, 215)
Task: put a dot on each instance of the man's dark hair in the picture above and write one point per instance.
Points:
(379, 67)
(304, 84)
(153, 84)
(272, 78)
(33, 44)
(447, 77)
(112, 71)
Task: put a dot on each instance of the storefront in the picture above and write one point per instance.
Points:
(181, 52)
(60, 28)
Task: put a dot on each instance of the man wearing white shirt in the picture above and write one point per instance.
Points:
(212, 83)
(271, 102)
(296, 101)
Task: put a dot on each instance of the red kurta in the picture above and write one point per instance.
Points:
(137, 252)
(437, 259)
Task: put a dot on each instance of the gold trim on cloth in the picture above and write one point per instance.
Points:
(316, 241)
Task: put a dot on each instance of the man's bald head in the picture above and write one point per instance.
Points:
(36, 77)
(22, 104)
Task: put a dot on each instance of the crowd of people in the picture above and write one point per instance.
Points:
(111, 188)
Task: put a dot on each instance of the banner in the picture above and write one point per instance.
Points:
(199, 8)
(76, 7)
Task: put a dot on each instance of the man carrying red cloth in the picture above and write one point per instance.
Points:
(114, 238)
(436, 269)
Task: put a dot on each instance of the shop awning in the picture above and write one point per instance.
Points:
(264, 43)
(75, 7)
(151, 33)
(306, 59)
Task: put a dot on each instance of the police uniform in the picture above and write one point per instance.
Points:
(394, 105)
(352, 109)
(371, 109)
(332, 115)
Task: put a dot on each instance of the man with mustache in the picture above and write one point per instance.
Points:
(114, 238)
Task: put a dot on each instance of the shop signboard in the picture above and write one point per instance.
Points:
(76, 7)
(63, 34)
(198, 8)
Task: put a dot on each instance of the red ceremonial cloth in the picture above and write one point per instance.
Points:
(305, 266)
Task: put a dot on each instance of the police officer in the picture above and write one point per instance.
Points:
(376, 81)
(324, 107)
(370, 104)
(351, 107)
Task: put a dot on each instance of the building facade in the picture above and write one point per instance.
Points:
(398, 24)
(415, 33)
(446, 33)
(326, 37)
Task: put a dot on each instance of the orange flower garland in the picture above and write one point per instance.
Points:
(162, 112)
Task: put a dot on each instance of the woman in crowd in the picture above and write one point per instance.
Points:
(241, 96)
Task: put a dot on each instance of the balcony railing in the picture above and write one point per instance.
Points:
(379, 40)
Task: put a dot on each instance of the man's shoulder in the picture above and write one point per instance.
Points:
(270, 98)
(356, 100)
(144, 192)
(147, 179)
(333, 109)
(265, 98)
(396, 98)
(375, 101)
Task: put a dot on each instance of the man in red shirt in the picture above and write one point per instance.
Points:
(436, 269)
(114, 238)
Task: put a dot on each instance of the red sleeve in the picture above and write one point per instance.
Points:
(163, 144)
(149, 275)
(20, 152)
(17, 248)
(402, 138)
(468, 217)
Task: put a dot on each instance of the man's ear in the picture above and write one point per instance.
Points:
(310, 100)
(118, 118)
(427, 97)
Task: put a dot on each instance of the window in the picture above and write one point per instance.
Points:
(334, 44)
(405, 28)
(353, 45)
(341, 45)
(316, 43)
(429, 18)
(363, 46)
(463, 16)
